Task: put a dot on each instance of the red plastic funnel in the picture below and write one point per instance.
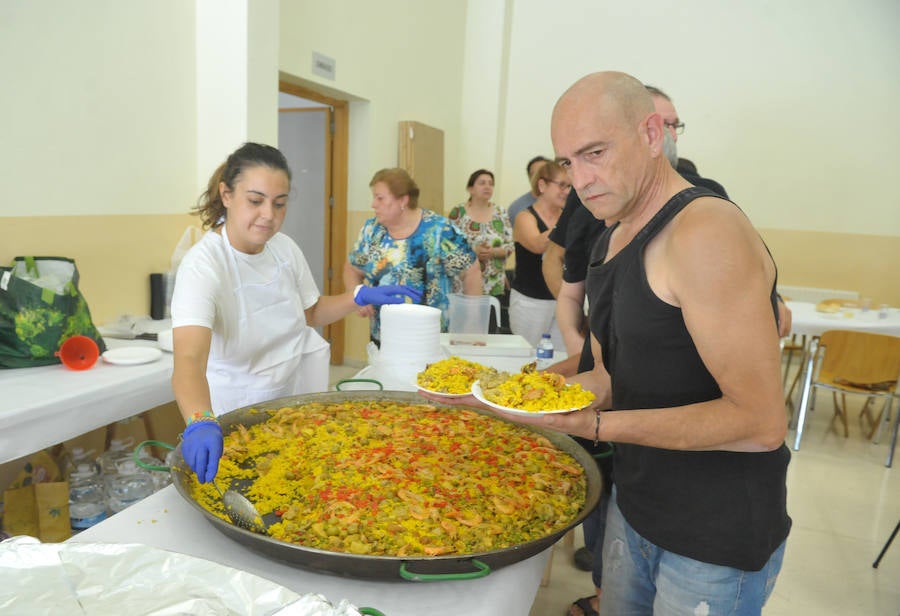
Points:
(78, 353)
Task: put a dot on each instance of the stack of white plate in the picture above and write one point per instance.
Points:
(410, 339)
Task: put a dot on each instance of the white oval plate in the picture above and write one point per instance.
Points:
(476, 391)
(131, 356)
(440, 393)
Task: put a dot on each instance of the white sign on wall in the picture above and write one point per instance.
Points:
(323, 66)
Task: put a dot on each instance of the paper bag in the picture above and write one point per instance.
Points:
(40, 510)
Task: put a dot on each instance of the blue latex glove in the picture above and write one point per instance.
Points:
(201, 448)
(388, 294)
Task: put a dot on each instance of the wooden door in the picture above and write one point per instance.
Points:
(421, 153)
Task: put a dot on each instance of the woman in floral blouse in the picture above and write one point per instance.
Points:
(405, 244)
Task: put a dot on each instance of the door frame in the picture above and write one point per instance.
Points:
(336, 213)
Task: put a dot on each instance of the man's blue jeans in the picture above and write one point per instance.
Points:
(640, 579)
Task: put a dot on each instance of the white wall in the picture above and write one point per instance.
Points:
(97, 110)
(397, 59)
(790, 105)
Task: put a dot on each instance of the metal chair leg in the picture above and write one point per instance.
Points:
(893, 443)
(805, 392)
(886, 546)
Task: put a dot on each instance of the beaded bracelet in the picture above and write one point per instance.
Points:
(597, 429)
(198, 416)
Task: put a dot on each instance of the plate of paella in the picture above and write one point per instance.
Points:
(451, 377)
(531, 393)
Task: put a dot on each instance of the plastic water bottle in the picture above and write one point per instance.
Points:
(544, 353)
(130, 485)
(109, 460)
(87, 498)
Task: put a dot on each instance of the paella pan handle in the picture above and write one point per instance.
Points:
(605, 453)
(144, 465)
(337, 385)
(482, 570)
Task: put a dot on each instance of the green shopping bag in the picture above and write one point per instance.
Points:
(40, 308)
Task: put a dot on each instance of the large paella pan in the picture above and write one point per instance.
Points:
(416, 567)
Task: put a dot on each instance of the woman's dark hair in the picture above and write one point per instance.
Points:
(209, 206)
(474, 177)
(399, 183)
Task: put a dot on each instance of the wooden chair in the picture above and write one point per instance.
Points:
(850, 362)
(789, 347)
(795, 345)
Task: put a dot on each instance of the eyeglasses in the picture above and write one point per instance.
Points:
(678, 127)
(563, 185)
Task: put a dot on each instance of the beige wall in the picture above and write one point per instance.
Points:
(864, 263)
(115, 254)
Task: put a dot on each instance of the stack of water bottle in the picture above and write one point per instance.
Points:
(102, 486)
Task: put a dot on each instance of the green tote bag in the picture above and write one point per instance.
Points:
(40, 308)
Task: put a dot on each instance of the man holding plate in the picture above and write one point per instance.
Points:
(697, 521)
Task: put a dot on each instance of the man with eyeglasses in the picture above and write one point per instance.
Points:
(685, 168)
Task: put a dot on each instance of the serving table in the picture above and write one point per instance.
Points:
(40, 407)
(165, 520)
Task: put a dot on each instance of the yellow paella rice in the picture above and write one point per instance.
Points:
(398, 479)
(536, 391)
(453, 375)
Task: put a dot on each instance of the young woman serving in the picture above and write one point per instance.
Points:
(245, 305)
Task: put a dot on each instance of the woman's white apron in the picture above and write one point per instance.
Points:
(277, 354)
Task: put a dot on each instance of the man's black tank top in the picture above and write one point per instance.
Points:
(725, 508)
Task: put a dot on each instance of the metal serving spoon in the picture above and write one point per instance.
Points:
(241, 511)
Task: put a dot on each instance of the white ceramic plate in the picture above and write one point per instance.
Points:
(131, 356)
(476, 391)
(440, 393)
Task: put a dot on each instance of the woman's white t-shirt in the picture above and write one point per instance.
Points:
(205, 284)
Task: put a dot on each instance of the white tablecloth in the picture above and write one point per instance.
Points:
(40, 407)
(807, 321)
(165, 520)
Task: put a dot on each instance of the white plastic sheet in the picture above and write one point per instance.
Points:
(109, 578)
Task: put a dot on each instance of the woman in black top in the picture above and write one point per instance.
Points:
(531, 305)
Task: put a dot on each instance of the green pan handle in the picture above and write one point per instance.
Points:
(482, 570)
(370, 611)
(342, 381)
(605, 454)
(144, 465)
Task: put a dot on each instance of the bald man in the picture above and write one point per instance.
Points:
(683, 322)
(683, 315)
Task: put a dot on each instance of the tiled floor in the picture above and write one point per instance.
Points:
(844, 504)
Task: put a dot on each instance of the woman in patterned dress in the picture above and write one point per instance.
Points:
(487, 227)
(403, 242)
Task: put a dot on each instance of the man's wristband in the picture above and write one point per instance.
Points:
(597, 429)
